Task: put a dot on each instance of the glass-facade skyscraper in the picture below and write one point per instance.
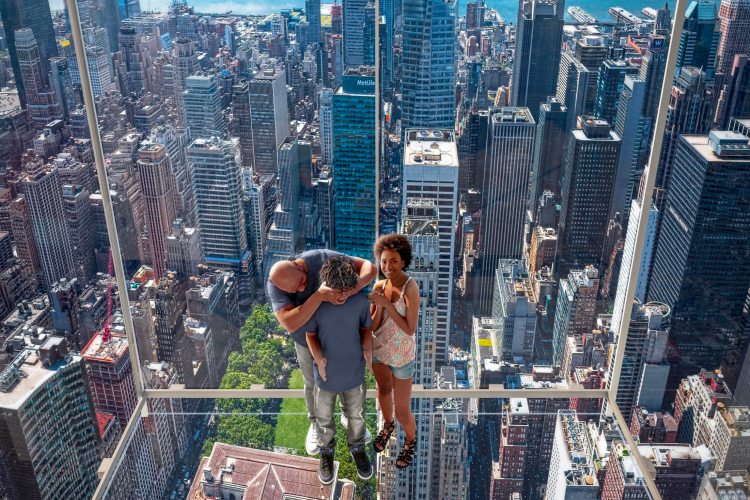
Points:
(353, 160)
(700, 38)
(701, 265)
(537, 56)
(35, 15)
(429, 83)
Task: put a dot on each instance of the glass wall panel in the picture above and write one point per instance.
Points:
(467, 448)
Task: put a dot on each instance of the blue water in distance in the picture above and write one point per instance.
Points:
(508, 9)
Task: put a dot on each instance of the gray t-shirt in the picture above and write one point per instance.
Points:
(314, 259)
(338, 327)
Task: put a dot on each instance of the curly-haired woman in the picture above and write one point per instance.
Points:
(395, 312)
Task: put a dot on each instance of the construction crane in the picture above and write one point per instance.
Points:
(107, 331)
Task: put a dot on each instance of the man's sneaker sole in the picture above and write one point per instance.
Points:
(363, 477)
(326, 481)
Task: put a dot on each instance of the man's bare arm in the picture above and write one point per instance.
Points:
(313, 342)
(366, 271)
(292, 318)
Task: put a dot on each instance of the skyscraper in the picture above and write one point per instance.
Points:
(386, 62)
(644, 371)
(46, 408)
(203, 106)
(175, 142)
(157, 184)
(591, 52)
(430, 172)
(241, 116)
(504, 194)
(134, 66)
(312, 13)
(590, 165)
(537, 55)
(354, 21)
(41, 100)
(700, 38)
(110, 374)
(635, 130)
(690, 112)
(269, 114)
(61, 82)
(548, 152)
(428, 82)
(653, 66)
(627, 256)
(734, 25)
(185, 64)
(35, 15)
(576, 303)
(514, 311)
(354, 162)
(80, 225)
(217, 184)
(99, 70)
(698, 236)
(284, 233)
(43, 193)
(572, 86)
(325, 116)
(609, 85)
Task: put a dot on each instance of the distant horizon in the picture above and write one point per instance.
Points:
(508, 9)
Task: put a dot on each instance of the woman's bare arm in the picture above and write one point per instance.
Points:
(407, 323)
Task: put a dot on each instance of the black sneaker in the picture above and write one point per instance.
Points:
(364, 467)
(325, 471)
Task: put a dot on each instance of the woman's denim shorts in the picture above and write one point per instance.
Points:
(402, 372)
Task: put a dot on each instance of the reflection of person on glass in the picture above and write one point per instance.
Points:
(340, 340)
(395, 312)
(295, 294)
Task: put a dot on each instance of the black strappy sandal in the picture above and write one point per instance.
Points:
(381, 441)
(407, 454)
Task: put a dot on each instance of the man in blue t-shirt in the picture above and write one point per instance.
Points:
(340, 339)
(295, 294)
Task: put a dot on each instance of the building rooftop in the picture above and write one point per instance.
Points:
(432, 147)
(512, 114)
(28, 313)
(717, 146)
(737, 419)
(360, 71)
(260, 475)
(661, 455)
(111, 351)
(30, 370)
(102, 419)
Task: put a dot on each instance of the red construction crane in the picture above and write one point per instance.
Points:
(107, 331)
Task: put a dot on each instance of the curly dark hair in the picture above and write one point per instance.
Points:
(339, 273)
(397, 242)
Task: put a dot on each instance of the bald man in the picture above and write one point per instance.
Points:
(296, 293)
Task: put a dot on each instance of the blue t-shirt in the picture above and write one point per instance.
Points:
(314, 260)
(338, 327)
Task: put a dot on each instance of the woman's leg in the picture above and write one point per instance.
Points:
(384, 378)
(402, 392)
